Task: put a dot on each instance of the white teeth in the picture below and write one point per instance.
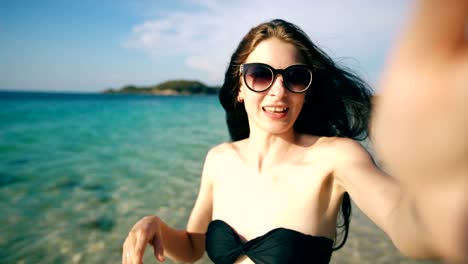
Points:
(275, 109)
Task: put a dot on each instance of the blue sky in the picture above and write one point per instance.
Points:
(91, 45)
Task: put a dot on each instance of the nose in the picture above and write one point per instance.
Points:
(277, 88)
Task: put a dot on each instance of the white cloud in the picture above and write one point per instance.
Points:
(207, 37)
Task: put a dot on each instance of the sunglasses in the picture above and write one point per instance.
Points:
(258, 77)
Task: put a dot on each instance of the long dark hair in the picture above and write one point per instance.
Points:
(337, 104)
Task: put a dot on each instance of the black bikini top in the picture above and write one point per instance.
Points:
(280, 245)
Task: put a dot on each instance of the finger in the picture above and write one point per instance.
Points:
(441, 24)
(124, 251)
(436, 29)
(139, 246)
(130, 250)
(158, 249)
(128, 255)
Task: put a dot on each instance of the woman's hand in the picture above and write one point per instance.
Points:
(146, 231)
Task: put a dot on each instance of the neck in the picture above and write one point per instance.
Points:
(266, 150)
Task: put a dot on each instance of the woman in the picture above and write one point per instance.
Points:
(274, 194)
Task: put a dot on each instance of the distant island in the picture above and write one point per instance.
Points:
(172, 87)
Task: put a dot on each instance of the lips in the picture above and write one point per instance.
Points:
(275, 109)
(275, 112)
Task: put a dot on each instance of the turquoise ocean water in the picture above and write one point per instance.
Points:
(78, 170)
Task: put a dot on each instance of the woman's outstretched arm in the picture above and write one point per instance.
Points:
(381, 197)
(420, 123)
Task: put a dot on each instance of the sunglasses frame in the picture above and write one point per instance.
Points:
(275, 72)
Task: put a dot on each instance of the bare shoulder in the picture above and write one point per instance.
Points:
(343, 149)
(222, 153)
(218, 159)
(223, 149)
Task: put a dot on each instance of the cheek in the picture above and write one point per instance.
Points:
(299, 102)
(298, 105)
(241, 94)
(252, 102)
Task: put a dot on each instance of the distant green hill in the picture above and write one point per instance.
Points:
(173, 87)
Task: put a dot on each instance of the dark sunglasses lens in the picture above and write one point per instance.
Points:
(258, 77)
(298, 79)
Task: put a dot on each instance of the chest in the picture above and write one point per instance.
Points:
(302, 198)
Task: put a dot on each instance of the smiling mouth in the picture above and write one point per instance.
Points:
(273, 109)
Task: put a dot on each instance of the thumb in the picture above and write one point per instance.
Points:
(158, 248)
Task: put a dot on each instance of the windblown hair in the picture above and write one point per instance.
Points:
(337, 104)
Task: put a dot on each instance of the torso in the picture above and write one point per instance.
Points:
(300, 194)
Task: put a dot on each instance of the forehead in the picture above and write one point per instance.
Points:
(276, 53)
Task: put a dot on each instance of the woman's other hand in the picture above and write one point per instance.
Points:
(146, 231)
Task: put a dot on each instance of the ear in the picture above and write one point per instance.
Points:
(240, 95)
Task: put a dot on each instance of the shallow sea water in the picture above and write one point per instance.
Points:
(77, 171)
